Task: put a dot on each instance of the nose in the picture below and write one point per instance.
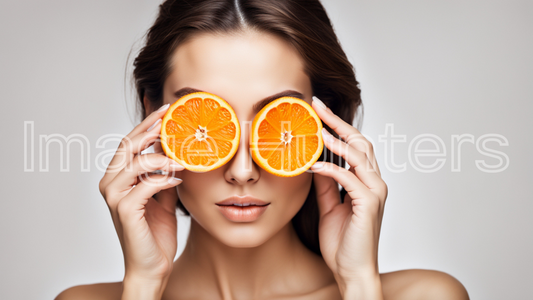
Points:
(241, 169)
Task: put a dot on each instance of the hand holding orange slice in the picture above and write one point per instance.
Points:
(200, 131)
(286, 137)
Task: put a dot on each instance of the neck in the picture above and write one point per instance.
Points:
(248, 273)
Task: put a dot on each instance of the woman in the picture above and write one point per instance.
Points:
(312, 241)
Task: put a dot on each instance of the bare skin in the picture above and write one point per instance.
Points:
(263, 259)
(400, 285)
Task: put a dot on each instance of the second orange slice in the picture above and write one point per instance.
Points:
(286, 137)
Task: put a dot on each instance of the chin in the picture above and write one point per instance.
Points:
(242, 235)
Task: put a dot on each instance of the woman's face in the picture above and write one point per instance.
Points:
(242, 69)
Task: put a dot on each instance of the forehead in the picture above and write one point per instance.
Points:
(241, 68)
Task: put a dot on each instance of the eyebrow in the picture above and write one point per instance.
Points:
(257, 106)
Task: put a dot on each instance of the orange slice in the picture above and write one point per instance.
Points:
(286, 137)
(200, 131)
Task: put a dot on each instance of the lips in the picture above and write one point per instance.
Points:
(242, 201)
(242, 208)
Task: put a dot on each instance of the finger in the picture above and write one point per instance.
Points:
(129, 176)
(346, 131)
(359, 142)
(327, 193)
(131, 146)
(148, 121)
(140, 138)
(131, 207)
(353, 186)
(126, 151)
(355, 158)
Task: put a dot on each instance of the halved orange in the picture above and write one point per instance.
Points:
(200, 131)
(286, 137)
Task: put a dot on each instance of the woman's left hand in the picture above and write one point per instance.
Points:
(349, 231)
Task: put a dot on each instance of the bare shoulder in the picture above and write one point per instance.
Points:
(422, 284)
(100, 291)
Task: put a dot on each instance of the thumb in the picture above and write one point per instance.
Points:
(327, 193)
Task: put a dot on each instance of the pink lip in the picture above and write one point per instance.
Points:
(242, 209)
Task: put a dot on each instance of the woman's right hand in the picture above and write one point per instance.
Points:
(143, 204)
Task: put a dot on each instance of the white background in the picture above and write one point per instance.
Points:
(437, 67)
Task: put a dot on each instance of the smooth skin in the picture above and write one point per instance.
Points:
(263, 259)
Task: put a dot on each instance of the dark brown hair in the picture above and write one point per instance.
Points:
(302, 23)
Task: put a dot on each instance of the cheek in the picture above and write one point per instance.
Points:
(194, 193)
(292, 193)
(199, 201)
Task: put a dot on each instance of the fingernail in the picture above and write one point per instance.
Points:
(320, 103)
(175, 165)
(154, 125)
(174, 180)
(328, 137)
(161, 172)
(317, 165)
(164, 107)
